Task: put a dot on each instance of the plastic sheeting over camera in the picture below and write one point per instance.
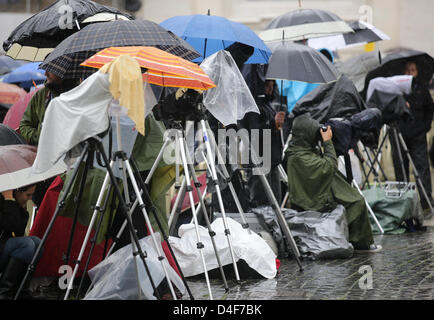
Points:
(249, 247)
(231, 99)
(319, 235)
(115, 277)
(338, 99)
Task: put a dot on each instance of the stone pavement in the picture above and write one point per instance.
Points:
(403, 270)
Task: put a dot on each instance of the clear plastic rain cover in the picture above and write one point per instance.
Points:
(231, 99)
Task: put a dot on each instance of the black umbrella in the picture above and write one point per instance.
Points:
(9, 136)
(394, 62)
(291, 61)
(65, 60)
(38, 35)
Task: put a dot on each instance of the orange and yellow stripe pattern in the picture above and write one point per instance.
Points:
(162, 68)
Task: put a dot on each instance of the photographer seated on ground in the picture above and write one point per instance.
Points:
(315, 182)
(16, 250)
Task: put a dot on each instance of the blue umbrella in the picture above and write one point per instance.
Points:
(25, 75)
(209, 34)
(7, 64)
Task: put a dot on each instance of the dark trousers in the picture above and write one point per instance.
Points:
(257, 194)
(418, 150)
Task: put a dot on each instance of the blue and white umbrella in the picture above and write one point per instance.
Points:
(363, 33)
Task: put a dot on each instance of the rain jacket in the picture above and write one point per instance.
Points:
(315, 183)
(13, 220)
(31, 123)
(421, 108)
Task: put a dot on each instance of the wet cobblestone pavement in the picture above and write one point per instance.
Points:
(403, 270)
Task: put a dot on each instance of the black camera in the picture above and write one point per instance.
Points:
(186, 107)
(323, 128)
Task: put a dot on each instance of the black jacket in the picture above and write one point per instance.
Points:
(265, 120)
(13, 220)
(421, 108)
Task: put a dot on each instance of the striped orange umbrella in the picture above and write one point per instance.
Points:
(10, 93)
(163, 68)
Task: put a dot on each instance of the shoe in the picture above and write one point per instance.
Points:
(372, 249)
(11, 278)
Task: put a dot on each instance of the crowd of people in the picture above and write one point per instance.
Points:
(314, 180)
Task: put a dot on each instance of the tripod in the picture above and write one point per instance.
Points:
(90, 145)
(269, 193)
(181, 147)
(399, 142)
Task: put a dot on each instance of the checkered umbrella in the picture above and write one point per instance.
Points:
(65, 60)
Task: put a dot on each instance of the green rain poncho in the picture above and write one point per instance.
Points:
(315, 183)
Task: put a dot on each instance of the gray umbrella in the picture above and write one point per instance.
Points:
(291, 61)
(304, 24)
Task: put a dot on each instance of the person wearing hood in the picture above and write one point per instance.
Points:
(33, 117)
(315, 182)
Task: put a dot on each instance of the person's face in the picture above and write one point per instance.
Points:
(23, 196)
(52, 78)
(411, 69)
(269, 88)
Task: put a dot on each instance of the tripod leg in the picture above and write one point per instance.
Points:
(280, 218)
(369, 207)
(219, 197)
(148, 223)
(398, 147)
(93, 241)
(165, 236)
(245, 225)
(177, 206)
(376, 157)
(205, 215)
(124, 210)
(86, 238)
(88, 164)
(189, 189)
(415, 172)
(61, 203)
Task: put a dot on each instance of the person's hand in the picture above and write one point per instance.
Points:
(8, 195)
(279, 119)
(408, 105)
(326, 135)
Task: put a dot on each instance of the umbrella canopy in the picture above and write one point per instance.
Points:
(9, 136)
(15, 113)
(394, 62)
(16, 161)
(363, 33)
(10, 93)
(37, 36)
(291, 61)
(25, 75)
(303, 24)
(163, 68)
(65, 60)
(209, 34)
(7, 64)
(15, 157)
